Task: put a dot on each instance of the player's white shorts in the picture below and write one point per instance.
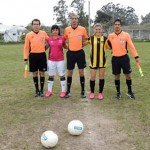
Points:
(56, 66)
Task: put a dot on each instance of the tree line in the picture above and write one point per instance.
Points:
(105, 15)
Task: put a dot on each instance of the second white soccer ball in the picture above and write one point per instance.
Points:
(75, 127)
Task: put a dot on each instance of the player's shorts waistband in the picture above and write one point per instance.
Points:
(75, 51)
(37, 53)
(120, 56)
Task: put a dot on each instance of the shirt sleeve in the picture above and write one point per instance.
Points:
(131, 46)
(26, 47)
(46, 37)
(85, 34)
(65, 35)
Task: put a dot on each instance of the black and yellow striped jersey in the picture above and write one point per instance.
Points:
(97, 55)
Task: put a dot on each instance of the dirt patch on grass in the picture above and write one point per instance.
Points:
(101, 133)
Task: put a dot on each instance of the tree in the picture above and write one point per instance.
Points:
(108, 13)
(61, 13)
(78, 6)
(145, 19)
(47, 29)
(1, 37)
(102, 17)
(29, 27)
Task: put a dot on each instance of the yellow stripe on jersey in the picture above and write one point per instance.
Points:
(95, 52)
(97, 56)
(101, 51)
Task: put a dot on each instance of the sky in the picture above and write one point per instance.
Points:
(22, 12)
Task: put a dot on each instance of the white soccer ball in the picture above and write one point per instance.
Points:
(75, 127)
(49, 139)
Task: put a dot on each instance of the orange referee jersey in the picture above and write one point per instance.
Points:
(75, 37)
(121, 43)
(35, 43)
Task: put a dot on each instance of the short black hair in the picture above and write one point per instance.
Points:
(36, 20)
(55, 27)
(118, 20)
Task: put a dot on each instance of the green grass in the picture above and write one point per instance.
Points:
(134, 115)
(19, 109)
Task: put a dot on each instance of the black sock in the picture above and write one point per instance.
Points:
(117, 83)
(129, 84)
(69, 81)
(62, 78)
(92, 86)
(82, 82)
(35, 80)
(42, 80)
(101, 85)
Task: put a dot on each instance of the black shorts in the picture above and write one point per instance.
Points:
(37, 61)
(119, 63)
(76, 57)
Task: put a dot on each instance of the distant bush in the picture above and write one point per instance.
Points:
(140, 40)
(4, 43)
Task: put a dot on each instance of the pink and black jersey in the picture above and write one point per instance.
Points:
(56, 48)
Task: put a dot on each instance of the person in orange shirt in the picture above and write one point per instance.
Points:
(119, 42)
(34, 51)
(75, 36)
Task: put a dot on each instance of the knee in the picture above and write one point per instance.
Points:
(92, 78)
(128, 77)
(81, 72)
(35, 74)
(70, 72)
(42, 74)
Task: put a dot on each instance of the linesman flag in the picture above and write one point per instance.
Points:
(140, 69)
(26, 72)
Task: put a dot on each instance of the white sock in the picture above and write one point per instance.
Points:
(50, 85)
(63, 85)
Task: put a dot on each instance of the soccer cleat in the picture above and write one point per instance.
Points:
(67, 95)
(91, 95)
(41, 93)
(130, 95)
(100, 96)
(37, 93)
(83, 94)
(118, 96)
(62, 94)
(48, 94)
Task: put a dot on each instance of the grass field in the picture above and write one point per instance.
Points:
(23, 118)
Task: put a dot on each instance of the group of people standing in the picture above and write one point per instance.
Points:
(74, 39)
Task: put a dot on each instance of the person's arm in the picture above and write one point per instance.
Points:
(46, 46)
(65, 46)
(107, 45)
(46, 41)
(65, 38)
(85, 40)
(27, 48)
(132, 48)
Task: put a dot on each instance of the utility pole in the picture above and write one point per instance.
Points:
(89, 20)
